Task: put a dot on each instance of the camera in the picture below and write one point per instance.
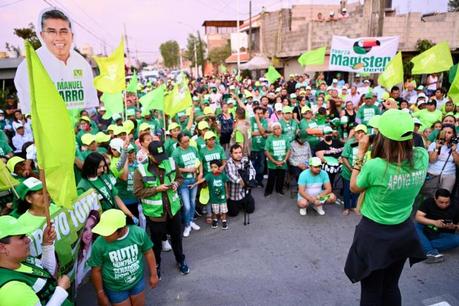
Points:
(245, 176)
(455, 140)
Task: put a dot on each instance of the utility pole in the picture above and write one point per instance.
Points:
(250, 29)
(238, 41)
(196, 57)
(382, 9)
(128, 54)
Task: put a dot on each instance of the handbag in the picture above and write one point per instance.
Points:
(432, 182)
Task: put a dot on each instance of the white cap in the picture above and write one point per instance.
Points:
(278, 107)
(116, 144)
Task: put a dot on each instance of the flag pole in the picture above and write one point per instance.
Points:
(125, 106)
(45, 197)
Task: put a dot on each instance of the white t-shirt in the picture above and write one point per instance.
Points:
(74, 80)
(436, 166)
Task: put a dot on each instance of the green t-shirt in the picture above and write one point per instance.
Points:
(169, 145)
(207, 156)
(121, 261)
(105, 189)
(304, 126)
(278, 148)
(350, 153)
(5, 149)
(217, 190)
(366, 112)
(154, 124)
(258, 142)
(428, 118)
(186, 159)
(37, 221)
(200, 143)
(289, 128)
(126, 188)
(389, 190)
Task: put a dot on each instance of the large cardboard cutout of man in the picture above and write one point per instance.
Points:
(70, 72)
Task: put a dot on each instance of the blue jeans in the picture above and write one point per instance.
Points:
(116, 297)
(258, 161)
(188, 199)
(443, 241)
(350, 198)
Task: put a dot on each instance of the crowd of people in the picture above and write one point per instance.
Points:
(349, 142)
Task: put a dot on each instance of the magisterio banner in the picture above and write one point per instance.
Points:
(364, 54)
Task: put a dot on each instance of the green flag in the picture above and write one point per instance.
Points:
(133, 83)
(272, 75)
(113, 104)
(393, 73)
(52, 131)
(179, 99)
(453, 91)
(436, 59)
(313, 57)
(452, 73)
(7, 181)
(153, 99)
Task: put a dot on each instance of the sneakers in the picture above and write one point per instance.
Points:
(214, 223)
(303, 211)
(339, 202)
(183, 268)
(434, 256)
(187, 231)
(166, 246)
(194, 226)
(319, 210)
(224, 225)
(158, 271)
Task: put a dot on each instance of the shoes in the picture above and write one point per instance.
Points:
(265, 176)
(267, 195)
(166, 246)
(339, 202)
(194, 226)
(197, 213)
(224, 225)
(434, 256)
(183, 268)
(214, 223)
(281, 193)
(158, 271)
(303, 211)
(187, 231)
(319, 210)
(346, 212)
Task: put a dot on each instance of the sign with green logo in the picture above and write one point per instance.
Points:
(363, 55)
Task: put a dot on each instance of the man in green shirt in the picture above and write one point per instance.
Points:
(309, 129)
(259, 128)
(117, 260)
(368, 110)
(289, 126)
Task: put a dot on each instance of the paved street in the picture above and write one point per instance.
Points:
(283, 258)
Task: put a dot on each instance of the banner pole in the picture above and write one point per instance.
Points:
(45, 197)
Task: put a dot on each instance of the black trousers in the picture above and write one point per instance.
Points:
(158, 230)
(380, 288)
(247, 203)
(275, 177)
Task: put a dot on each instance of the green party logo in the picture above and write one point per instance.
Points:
(78, 73)
(363, 46)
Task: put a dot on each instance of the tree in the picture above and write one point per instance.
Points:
(217, 56)
(453, 5)
(29, 34)
(13, 49)
(170, 53)
(192, 42)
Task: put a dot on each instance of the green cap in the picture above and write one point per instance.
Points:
(173, 125)
(305, 109)
(374, 122)
(369, 95)
(10, 226)
(28, 185)
(361, 127)
(13, 161)
(110, 221)
(87, 139)
(144, 126)
(328, 130)
(203, 125)
(101, 137)
(209, 135)
(315, 162)
(119, 130)
(287, 109)
(130, 112)
(396, 125)
(128, 126)
(292, 96)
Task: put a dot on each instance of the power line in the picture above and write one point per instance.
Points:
(11, 3)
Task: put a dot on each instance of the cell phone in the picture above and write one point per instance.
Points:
(447, 221)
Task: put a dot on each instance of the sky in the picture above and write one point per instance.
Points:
(149, 23)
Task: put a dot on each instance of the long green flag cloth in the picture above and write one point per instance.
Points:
(453, 92)
(53, 133)
(436, 59)
(313, 57)
(272, 75)
(7, 181)
(179, 99)
(113, 104)
(153, 100)
(393, 73)
(133, 83)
